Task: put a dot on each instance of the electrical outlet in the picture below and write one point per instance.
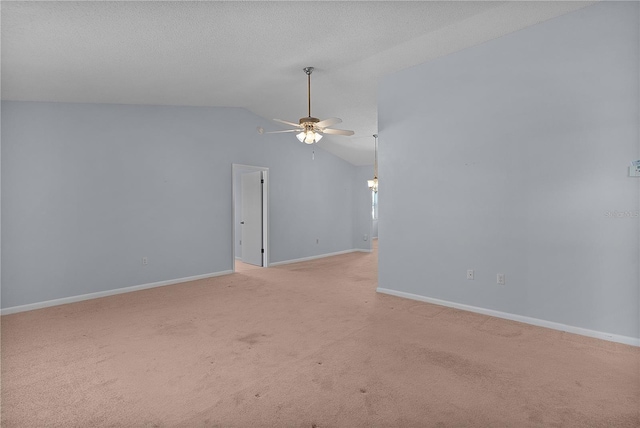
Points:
(500, 279)
(365, 237)
(470, 274)
(145, 261)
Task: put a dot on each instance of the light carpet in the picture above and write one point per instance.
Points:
(303, 345)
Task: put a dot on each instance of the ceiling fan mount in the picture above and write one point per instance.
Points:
(310, 129)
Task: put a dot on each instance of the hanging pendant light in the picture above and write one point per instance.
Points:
(373, 184)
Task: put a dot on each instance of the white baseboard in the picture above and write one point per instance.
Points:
(627, 340)
(321, 256)
(73, 299)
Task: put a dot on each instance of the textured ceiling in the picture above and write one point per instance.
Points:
(243, 54)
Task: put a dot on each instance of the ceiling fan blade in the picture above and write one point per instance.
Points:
(337, 131)
(286, 130)
(288, 123)
(328, 122)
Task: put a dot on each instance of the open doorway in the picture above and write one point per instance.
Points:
(250, 202)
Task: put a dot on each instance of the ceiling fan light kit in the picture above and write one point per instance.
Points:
(310, 129)
(309, 137)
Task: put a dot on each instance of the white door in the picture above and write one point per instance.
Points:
(252, 248)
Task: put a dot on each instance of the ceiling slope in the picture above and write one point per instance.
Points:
(243, 54)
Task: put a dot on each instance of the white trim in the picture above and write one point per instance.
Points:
(627, 340)
(255, 168)
(89, 296)
(321, 256)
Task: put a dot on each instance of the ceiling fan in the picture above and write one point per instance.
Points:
(310, 129)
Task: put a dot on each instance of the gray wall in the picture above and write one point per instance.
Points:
(88, 190)
(522, 144)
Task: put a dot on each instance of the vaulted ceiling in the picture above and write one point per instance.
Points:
(244, 54)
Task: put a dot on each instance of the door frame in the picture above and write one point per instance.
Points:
(237, 170)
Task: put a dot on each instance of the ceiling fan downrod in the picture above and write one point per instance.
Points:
(309, 70)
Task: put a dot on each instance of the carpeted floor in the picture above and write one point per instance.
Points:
(303, 345)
